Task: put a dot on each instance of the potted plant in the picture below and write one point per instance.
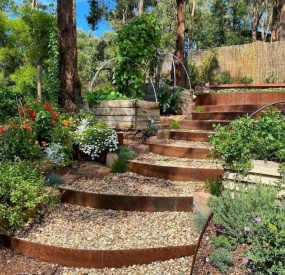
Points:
(94, 139)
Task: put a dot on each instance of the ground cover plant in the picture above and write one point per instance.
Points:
(252, 217)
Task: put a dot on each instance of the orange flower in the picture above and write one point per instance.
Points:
(65, 122)
(55, 115)
(36, 142)
(44, 144)
(52, 122)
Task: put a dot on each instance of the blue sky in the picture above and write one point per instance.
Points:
(82, 9)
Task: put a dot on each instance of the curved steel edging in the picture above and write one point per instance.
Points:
(269, 105)
(175, 173)
(127, 203)
(95, 258)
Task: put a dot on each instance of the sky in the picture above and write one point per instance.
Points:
(82, 9)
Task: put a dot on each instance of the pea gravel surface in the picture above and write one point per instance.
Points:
(180, 266)
(182, 143)
(155, 159)
(87, 228)
(132, 184)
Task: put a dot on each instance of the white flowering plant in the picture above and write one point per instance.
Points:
(94, 138)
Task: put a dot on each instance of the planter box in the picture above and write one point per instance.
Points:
(127, 114)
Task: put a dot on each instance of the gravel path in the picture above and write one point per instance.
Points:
(133, 184)
(87, 228)
(179, 266)
(187, 144)
(156, 159)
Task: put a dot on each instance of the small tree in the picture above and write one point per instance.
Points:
(137, 54)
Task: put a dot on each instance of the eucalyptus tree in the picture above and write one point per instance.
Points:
(278, 20)
(70, 96)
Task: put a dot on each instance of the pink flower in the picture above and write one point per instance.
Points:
(257, 219)
(246, 229)
(244, 260)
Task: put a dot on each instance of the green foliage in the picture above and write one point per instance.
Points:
(22, 188)
(235, 211)
(150, 131)
(53, 180)
(206, 71)
(224, 241)
(267, 255)
(8, 106)
(105, 92)
(174, 124)
(271, 78)
(18, 140)
(224, 78)
(120, 166)
(52, 63)
(137, 54)
(199, 109)
(125, 153)
(244, 139)
(214, 186)
(222, 259)
(169, 99)
(246, 80)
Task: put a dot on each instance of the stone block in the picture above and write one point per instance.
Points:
(111, 158)
(200, 202)
(93, 170)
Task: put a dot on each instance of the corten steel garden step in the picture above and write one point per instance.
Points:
(250, 108)
(191, 136)
(218, 115)
(201, 124)
(85, 237)
(238, 98)
(127, 203)
(181, 152)
(176, 169)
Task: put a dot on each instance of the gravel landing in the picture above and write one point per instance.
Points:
(87, 228)
(132, 184)
(179, 266)
(156, 159)
(182, 143)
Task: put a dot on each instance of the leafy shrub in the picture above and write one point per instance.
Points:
(224, 241)
(105, 92)
(267, 255)
(174, 124)
(246, 80)
(125, 153)
(53, 179)
(215, 187)
(244, 139)
(18, 140)
(169, 99)
(120, 166)
(222, 259)
(137, 45)
(224, 78)
(150, 131)
(235, 211)
(22, 188)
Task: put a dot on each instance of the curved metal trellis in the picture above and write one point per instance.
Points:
(269, 105)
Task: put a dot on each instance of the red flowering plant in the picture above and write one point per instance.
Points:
(44, 116)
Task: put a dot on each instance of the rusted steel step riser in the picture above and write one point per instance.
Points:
(190, 136)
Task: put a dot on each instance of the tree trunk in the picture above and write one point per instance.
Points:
(141, 9)
(39, 81)
(278, 21)
(70, 97)
(179, 49)
(35, 4)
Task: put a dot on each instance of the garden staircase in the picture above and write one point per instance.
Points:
(182, 156)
